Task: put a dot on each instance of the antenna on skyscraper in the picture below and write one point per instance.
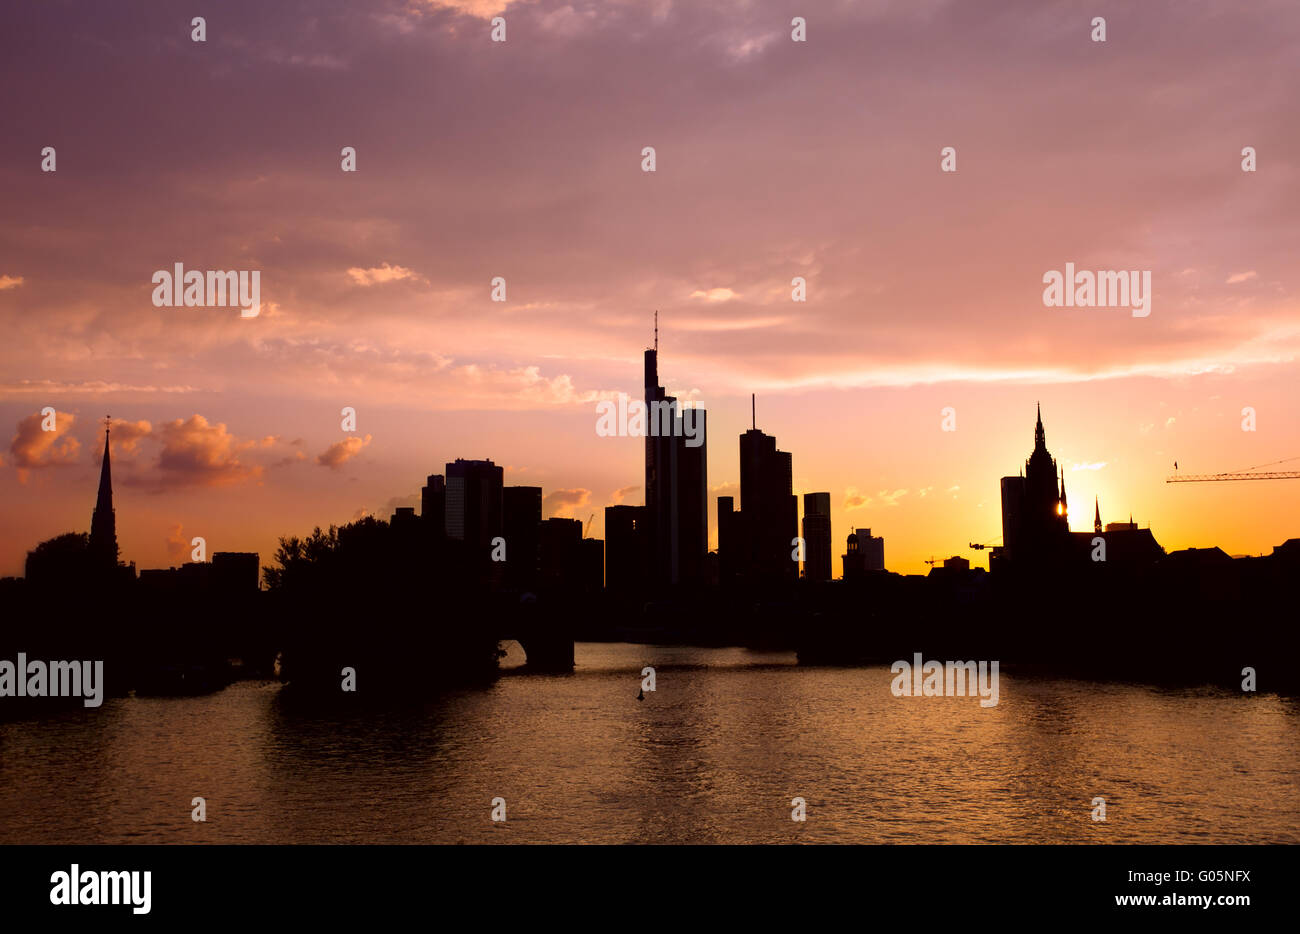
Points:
(753, 412)
(656, 330)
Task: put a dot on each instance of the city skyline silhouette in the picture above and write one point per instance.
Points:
(728, 493)
(605, 422)
(923, 289)
(478, 566)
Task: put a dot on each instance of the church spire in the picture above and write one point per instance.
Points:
(103, 526)
(1040, 437)
(1096, 522)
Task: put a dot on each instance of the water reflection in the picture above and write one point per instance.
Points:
(714, 755)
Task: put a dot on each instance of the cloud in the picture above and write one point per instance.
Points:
(340, 452)
(10, 282)
(484, 9)
(32, 448)
(1241, 277)
(881, 309)
(1094, 465)
(125, 439)
(891, 498)
(622, 494)
(377, 275)
(296, 457)
(856, 500)
(95, 387)
(715, 295)
(563, 502)
(176, 543)
(196, 453)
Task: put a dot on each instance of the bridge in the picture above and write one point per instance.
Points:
(546, 635)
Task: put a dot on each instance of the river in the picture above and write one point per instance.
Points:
(714, 755)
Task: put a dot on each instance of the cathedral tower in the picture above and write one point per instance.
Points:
(103, 525)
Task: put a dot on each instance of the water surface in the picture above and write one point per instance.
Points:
(715, 755)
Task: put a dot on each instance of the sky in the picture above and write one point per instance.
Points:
(523, 159)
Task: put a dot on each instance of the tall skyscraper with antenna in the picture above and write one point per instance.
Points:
(755, 543)
(676, 486)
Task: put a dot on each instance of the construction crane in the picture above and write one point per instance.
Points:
(1250, 473)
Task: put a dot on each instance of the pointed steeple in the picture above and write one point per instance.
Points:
(1065, 509)
(105, 479)
(103, 525)
(1096, 522)
(1040, 437)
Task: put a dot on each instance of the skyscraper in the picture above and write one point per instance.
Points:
(756, 542)
(676, 483)
(521, 522)
(474, 495)
(103, 523)
(433, 506)
(627, 548)
(817, 536)
(561, 540)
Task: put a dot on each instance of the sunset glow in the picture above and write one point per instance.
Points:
(924, 289)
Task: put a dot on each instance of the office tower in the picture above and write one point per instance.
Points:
(730, 537)
(474, 492)
(817, 536)
(561, 541)
(433, 506)
(676, 483)
(1013, 505)
(591, 565)
(759, 539)
(627, 548)
(521, 522)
